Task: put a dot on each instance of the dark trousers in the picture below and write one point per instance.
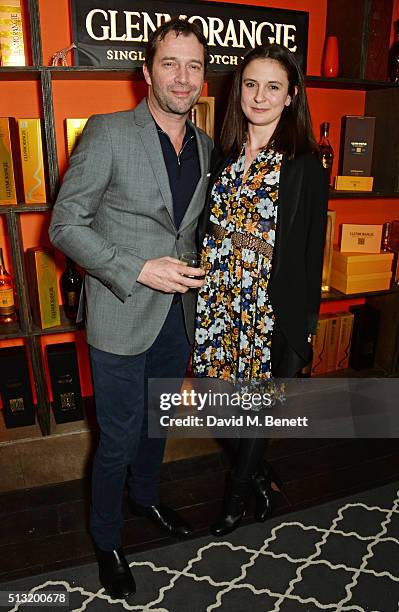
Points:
(125, 450)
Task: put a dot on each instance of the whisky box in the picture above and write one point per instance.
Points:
(357, 141)
(360, 238)
(12, 52)
(360, 283)
(353, 183)
(328, 250)
(320, 345)
(364, 336)
(43, 287)
(73, 130)
(32, 160)
(9, 162)
(65, 383)
(353, 264)
(344, 340)
(334, 326)
(18, 408)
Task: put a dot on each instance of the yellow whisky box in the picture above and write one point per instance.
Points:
(73, 129)
(43, 289)
(320, 345)
(352, 264)
(8, 162)
(360, 238)
(328, 250)
(32, 160)
(360, 283)
(333, 332)
(344, 339)
(354, 183)
(12, 51)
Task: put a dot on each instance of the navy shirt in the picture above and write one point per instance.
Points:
(183, 170)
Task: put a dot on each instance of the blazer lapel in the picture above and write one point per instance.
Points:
(193, 209)
(152, 147)
(291, 176)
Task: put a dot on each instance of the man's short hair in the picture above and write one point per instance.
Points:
(181, 27)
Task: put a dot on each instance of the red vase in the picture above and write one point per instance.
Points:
(330, 60)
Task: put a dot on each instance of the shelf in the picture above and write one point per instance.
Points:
(23, 208)
(66, 326)
(12, 435)
(361, 195)
(93, 73)
(334, 295)
(321, 82)
(343, 83)
(11, 330)
(20, 73)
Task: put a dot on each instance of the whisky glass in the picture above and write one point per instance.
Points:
(193, 260)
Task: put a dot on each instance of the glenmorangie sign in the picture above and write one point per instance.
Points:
(113, 33)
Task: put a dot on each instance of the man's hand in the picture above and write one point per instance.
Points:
(170, 275)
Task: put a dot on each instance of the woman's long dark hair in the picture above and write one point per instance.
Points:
(293, 134)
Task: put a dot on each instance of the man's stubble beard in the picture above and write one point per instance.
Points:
(170, 105)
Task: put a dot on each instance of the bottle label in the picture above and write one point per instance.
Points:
(68, 401)
(71, 298)
(7, 305)
(17, 404)
(358, 148)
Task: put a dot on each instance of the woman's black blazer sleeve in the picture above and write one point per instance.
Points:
(295, 287)
(318, 204)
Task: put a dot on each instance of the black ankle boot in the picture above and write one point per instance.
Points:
(262, 487)
(234, 506)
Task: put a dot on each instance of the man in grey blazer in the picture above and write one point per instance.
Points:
(128, 207)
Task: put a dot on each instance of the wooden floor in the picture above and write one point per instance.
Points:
(45, 528)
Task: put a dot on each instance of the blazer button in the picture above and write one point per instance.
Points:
(177, 236)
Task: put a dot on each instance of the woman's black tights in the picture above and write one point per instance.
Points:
(246, 456)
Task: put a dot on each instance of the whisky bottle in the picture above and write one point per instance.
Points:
(393, 57)
(8, 313)
(326, 152)
(71, 283)
(386, 237)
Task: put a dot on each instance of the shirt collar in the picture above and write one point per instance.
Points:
(188, 134)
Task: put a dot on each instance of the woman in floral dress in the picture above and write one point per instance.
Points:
(263, 233)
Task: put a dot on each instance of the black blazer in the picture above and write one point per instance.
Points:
(295, 284)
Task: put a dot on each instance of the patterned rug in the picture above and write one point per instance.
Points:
(341, 556)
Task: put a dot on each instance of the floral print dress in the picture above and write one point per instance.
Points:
(234, 320)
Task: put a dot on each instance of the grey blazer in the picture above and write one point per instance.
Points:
(114, 211)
